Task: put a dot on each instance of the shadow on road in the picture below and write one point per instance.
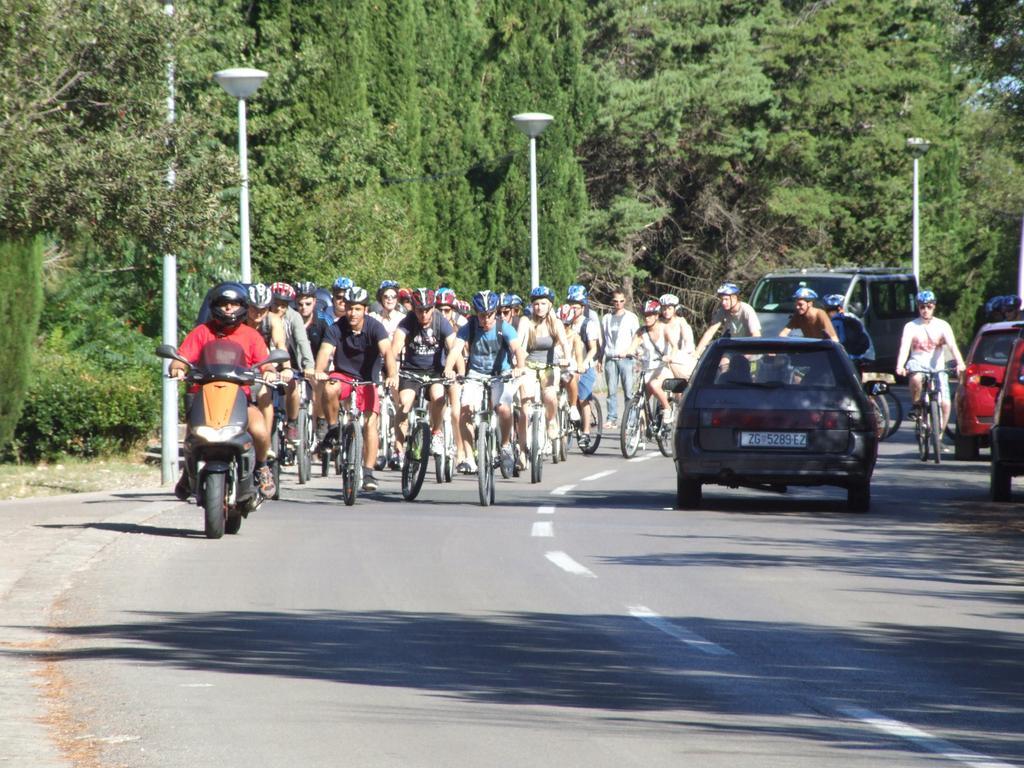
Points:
(606, 662)
(148, 530)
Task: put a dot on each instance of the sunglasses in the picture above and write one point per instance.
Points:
(390, 296)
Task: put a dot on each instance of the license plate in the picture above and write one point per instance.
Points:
(773, 439)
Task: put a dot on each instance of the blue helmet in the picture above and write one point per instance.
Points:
(834, 301)
(805, 293)
(384, 285)
(1010, 303)
(926, 297)
(342, 284)
(576, 294)
(485, 301)
(728, 289)
(542, 292)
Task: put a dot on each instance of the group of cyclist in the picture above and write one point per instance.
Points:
(410, 339)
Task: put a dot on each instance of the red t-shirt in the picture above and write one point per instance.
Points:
(249, 339)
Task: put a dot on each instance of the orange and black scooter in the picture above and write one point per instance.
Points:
(220, 457)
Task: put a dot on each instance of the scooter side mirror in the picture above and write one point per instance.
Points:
(276, 356)
(168, 352)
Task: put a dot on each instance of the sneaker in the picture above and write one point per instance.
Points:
(369, 481)
(611, 424)
(332, 435)
(523, 460)
(265, 478)
(183, 489)
(395, 462)
(467, 466)
(291, 433)
(552, 432)
(508, 459)
(584, 441)
(437, 444)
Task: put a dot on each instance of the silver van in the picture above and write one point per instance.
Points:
(883, 298)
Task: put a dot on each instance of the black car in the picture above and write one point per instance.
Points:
(773, 412)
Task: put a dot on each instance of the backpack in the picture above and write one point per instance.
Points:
(856, 341)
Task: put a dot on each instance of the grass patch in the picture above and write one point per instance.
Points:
(20, 481)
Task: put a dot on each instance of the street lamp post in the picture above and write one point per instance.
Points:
(533, 125)
(917, 148)
(169, 410)
(242, 83)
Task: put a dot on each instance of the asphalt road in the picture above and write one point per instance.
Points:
(581, 621)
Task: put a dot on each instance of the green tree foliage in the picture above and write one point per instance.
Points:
(21, 263)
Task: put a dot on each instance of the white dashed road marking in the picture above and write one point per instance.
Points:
(599, 475)
(692, 639)
(545, 510)
(923, 739)
(543, 530)
(562, 490)
(569, 565)
(645, 457)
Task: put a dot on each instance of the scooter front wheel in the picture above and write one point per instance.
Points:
(214, 495)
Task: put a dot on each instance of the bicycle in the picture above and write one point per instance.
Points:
(928, 416)
(418, 438)
(306, 426)
(444, 463)
(348, 451)
(887, 407)
(385, 429)
(485, 421)
(571, 427)
(643, 421)
(279, 449)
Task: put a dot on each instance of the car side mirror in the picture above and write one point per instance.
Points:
(988, 381)
(674, 386)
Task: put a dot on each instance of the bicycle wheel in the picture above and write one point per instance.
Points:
(564, 429)
(632, 427)
(349, 459)
(485, 464)
(596, 420)
(277, 444)
(414, 466)
(895, 412)
(921, 432)
(303, 457)
(934, 420)
(325, 460)
(881, 410)
(536, 438)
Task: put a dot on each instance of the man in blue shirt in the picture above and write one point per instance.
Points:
(493, 345)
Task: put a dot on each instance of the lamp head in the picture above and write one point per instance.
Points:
(240, 82)
(917, 147)
(532, 123)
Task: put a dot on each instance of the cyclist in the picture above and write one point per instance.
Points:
(271, 328)
(812, 322)
(316, 327)
(618, 326)
(338, 289)
(356, 344)
(229, 303)
(681, 334)
(494, 348)
(282, 296)
(587, 327)
(734, 317)
(849, 329)
(923, 346)
(652, 339)
(423, 340)
(405, 299)
(390, 314)
(571, 373)
(511, 308)
(542, 336)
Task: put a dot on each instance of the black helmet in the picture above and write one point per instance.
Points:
(220, 296)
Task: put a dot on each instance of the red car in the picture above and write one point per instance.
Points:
(975, 399)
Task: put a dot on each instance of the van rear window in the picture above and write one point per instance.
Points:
(775, 294)
(892, 298)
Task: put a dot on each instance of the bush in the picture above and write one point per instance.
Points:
(77, 408)
(20, 302)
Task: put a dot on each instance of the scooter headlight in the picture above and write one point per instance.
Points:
(214, 435)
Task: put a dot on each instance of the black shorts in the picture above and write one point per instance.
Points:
(407, 382)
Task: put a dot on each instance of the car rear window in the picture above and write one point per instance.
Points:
(994, 348)
(772, 367)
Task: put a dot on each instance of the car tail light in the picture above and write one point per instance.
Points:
(1011, 398)
(689, 419)
(972, 376)
(771, 419)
